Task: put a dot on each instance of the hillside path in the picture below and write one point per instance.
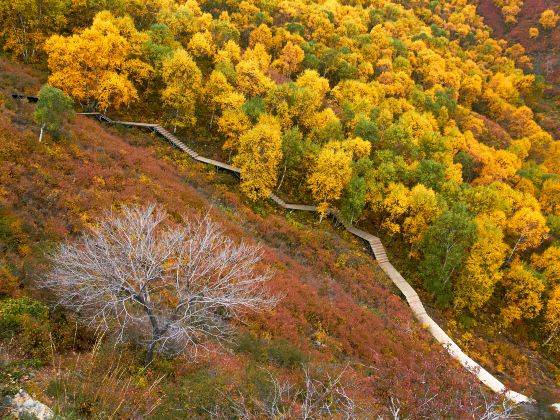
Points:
(380, 255)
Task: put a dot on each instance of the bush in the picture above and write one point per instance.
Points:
(285, 354)
(278, 351)
(8, 282)
(35, 337)
(15, 314)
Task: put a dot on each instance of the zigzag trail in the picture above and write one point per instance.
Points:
(380, 255)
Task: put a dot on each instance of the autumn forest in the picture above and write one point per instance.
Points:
(409, 118)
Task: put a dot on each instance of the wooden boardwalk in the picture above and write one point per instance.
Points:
(380, 254)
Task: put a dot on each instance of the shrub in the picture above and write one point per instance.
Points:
(278, 351)
(14, 314)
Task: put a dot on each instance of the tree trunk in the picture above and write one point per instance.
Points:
(41, 133)
(149, 354)
(552, 335)
(282, 179)
(513, 251)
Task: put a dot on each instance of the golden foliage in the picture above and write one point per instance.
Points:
(99, 65)
(260, 152)
(329, 177)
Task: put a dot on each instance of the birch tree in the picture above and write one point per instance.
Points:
(52, 110)
(167, 286)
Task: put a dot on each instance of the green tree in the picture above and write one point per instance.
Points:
(445, 246)
(354, 199)
(52, 110)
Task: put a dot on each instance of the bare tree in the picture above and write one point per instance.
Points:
(323, 396)
(327, 398)
(168, 285)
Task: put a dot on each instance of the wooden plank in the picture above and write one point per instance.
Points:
(218, 164)
(135, 124)
(302, 207)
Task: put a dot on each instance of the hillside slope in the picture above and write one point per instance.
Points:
(544, 50)
(338, 308)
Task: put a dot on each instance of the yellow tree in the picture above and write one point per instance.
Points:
(233, 123)
(500, 165)
(550, 197)
(549, 19)
(261, 35)
(98, 66)
(396, 205)
(317, 85)
(552, 315)
(202, 45)
(482, 268)
(549, 263)
(290, 59)
(258, 157)
(523, 292)
(250, 78)
(423, 209)
(182, 80)
(528, 229)
(328, 178)
(219, 94)
(25, 24)
(259, 55)
(534, 32)
(552, 160)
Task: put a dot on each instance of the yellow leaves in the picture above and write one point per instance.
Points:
(510, 9)
(329, 177)
(549, 19)
(359, 95)
(534, 32)
(317, 85)
(482, 268)
(262, 35)
(419, 124)
(358, 147)
(549, 263)
(499, 165)
(115, 90)
(219, 93)
(523, 123)
(365, 70)
(552, 160)
(290, 59)
(471, 89)
(97, 64)
(552, 314)
(250, 78)
(202, 45)
(321, 118)
(258, 55)
(182, 79)
(423, 209)
(260, 152)
(528, 227)
(523, 294)
(395, 204)
(232, 124)
(230, 52)
(550, 197)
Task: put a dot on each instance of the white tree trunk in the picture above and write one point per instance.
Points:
(41, 133)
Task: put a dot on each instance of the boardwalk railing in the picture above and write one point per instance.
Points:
(380, 254)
